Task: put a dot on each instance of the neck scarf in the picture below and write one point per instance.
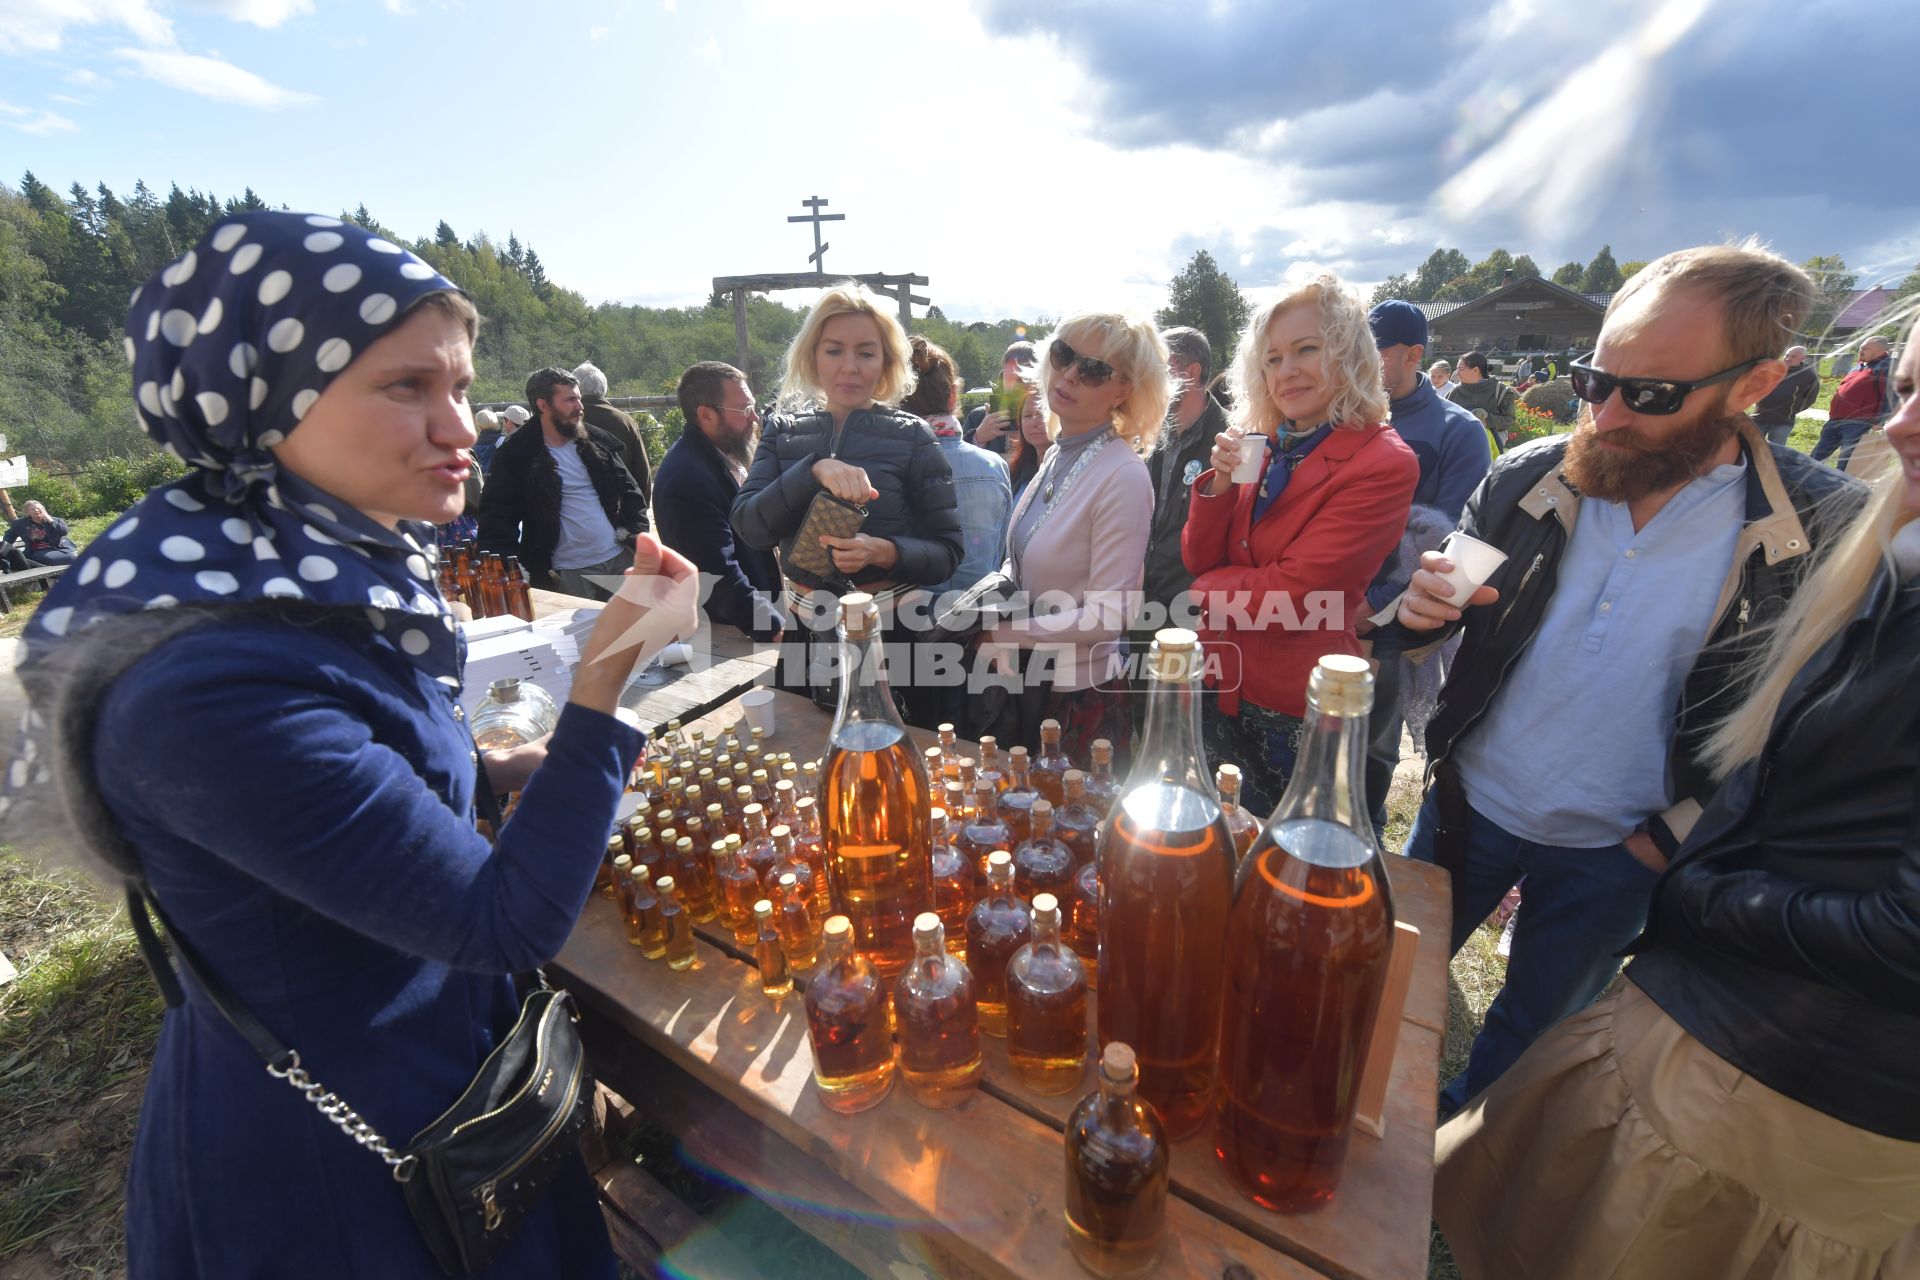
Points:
(1285, 453)
(230, 346)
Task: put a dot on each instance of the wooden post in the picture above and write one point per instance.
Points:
(1370, 1110)
(904, 292)
(740, 350)
(6, 500)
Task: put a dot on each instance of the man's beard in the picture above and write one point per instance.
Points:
(1641, 467)
(569, 430)
(741, 448)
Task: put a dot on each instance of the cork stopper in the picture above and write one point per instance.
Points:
(859, 616)
(781, 832)
(937, 815)
(1000, 866)
(1102, 751)
(1045, 905)
(763, 910)
(838, 927)
(1117, 1064)
(1342, 685)
(927, 925)
(1174, 658)
(1227, 779)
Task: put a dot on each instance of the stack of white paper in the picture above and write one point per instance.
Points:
(525, 654)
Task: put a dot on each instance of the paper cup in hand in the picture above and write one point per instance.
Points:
(1473, 563)
(1253, 452)
(758, 704)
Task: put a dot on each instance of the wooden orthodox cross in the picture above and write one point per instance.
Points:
(816, 204)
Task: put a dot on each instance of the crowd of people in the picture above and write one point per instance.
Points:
(1653, 710)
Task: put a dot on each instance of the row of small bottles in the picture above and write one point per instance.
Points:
(484, 582)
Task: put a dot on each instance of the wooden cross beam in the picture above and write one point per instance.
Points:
(820, 247)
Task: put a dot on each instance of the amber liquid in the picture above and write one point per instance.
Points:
(1048, 774)
(1047, 1036)
(980, 837)
(952, 895)
(679, 929)
(847, 1025)
(693, 873)
(1116, 1188)
(1016, 805)
(810, 847)
(1078, 827)
(1082, 930)
(798, 933)
(1043, 866)
(645, 927)
(1306, 963)
(1165, 895)
(939, 1044)
(739, 890)
(877, 838)
(994, 932)
(1244, 830)
(771, 957)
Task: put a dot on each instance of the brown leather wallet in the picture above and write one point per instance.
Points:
(827, 516)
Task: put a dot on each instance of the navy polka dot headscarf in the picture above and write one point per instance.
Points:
(230, 347)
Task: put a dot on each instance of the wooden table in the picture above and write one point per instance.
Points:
(980, 1189)
(726, 663)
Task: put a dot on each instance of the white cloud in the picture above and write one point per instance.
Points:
(400, 8)
(211, 78)
(710, 51)
(37, 123)
(84, 78)
(67, 98)
(671, 6)
(597, 33)
(261, 13)
(39, 26)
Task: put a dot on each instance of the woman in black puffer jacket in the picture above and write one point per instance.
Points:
(847, 367)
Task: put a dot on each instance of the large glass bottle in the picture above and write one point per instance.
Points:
(939, 1021)
(1042, 863)
(877, 801)
(1241, 825)
(953, 884)
(1046, 1006)
(513, 713)
(1051, 765)
(1166, 888)
(847, 1025)
(996, 928)
(1117, 1163)
(1307, 951)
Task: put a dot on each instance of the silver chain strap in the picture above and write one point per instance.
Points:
(335, 1108)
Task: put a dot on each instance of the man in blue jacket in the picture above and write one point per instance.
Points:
(693, 494)
(1454, 457)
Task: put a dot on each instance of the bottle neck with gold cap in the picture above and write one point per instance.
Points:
(1329, 779)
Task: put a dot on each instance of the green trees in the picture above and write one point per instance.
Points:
(1448, 276)
(1204, 297)
(1602, 274)
(1833, 286)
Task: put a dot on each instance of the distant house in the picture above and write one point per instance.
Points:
(1861, 310)
(1528, 316)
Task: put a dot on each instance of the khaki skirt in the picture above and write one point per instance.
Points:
(1621, 1148)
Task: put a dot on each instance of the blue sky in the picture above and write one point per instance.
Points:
(1030, 159)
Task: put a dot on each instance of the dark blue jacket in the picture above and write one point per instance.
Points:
(1454, 458)
(693, 495)
(300, 803)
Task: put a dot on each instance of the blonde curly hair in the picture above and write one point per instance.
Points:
(1351, 361)
(1137, 353)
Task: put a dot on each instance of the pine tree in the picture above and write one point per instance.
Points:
(516, 256)
(1568, 275)
(535, 273)
(1205, 298)
(445, 236)
(1602, 274)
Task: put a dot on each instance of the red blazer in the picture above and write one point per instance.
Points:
(1330, 532)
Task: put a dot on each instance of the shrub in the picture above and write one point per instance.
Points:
(59, 495)
(1551, 398)
(1530, 424)
(110, 485)
(156, 469)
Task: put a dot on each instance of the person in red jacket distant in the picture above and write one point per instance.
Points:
(1861, 402)
(1281, 564)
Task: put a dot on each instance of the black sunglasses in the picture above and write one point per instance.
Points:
(1655, 397)
(1093, 372)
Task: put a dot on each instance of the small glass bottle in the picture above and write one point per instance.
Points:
(787, 860)
(953, 884)
(663, 842)
(1046, 1006)
(939, 1021)
(646, 907)
(1083, 921)
(631, 912)
(1051, 765)
(696, 890)
(997, 927)
(813, 847)
(493, 586)
(762, 786)
(1241, 825)
(795, 921)
(514, 713)
(848, 1026)
(959, 805)
(1103, 789)
(679, 928)
(739, 890)
(969, 773)
(1117, 1162)
(936, 767)
(775, 981)
(784, 814)
(1016, 802)
(991, 767)
(603, 882)
(1076, 823)
(1042, 863)
(984, 832)
(519, 597)
(738, 799)
(448, 580)
(757, 841)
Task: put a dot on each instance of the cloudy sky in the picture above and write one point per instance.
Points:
(1030, 158)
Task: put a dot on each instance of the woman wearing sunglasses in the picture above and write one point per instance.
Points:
(1281, 564)
(1077, 542)
(1742, 1101)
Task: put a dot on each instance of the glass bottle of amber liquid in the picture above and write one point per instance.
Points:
(936, 771)
(793, 908)
(939, 1021)
(984, 832)
(1046, 1006)
(1103, 789)
(812, 845)
(949, 753)
(603, 878)
(768, 953)
(1083, 921)
(953, 882)
(1075, 824)
(679, 929)
(1117, 1162)
(739, 890)
(757, 842)
(1051, 765)
(991, 767)
(519, 597)
(1042, 863)
(847, 1025)
(784, 814)
(787, 861)
(637, 902)
(1166, 888)
(1016, 802)
(996, 928)
(467, 568)
(448, 578)
(876, 801)
(1241, 825)
(493, 585)
(1307, 951)
(696, 888)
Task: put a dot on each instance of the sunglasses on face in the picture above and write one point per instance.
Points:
(1093, 372)
(1655, 397)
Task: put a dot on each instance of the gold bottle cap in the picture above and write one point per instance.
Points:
(733, 844)
(838, 926)
(715, 813)
(684, 844)
(859, 616)
(665, 884)
(616, 841)
(788, 880)
(763, 909)
(804, 802)
(937, 814)
(1117, 1063)
(927, 925)
(641, 872)
(1342, 684)
(622, 862)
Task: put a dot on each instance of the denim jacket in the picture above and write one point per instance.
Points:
(985, 500)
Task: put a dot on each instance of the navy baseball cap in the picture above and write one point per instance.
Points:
(1397, 324)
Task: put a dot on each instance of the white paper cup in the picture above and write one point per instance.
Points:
(758, 704)
(1473, 563)
(1253, 452)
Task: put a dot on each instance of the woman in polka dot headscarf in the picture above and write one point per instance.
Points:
(244, 698)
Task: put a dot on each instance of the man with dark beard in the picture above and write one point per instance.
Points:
(1646, 552)
(693, 496)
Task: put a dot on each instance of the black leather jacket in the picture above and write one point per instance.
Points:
(1785, 936)
(916, 509)
(1526, 507)
(520, 504)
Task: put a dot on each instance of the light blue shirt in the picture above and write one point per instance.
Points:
(1573, 751)
(985, 500)
(586, 535)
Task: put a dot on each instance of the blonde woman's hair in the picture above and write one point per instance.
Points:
(800, 390)
(1352, 361)
(1137, 353)
(1829, 595)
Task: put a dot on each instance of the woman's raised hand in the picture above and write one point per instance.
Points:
(1225, 460)
(657, 603)
(844, 481)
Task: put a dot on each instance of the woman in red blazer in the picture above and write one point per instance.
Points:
(1282, 564)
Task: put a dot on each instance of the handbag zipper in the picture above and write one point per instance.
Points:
(493, 1216)
(519, 1093)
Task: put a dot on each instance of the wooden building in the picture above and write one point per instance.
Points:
(1530, 316)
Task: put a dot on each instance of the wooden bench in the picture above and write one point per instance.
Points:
(23, 577)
